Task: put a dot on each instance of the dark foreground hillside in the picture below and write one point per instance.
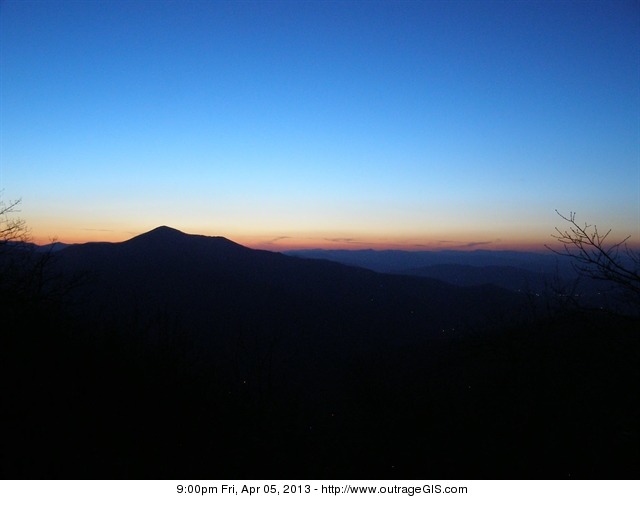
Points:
(295, 375)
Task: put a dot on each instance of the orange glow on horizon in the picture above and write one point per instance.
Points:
(316, 241)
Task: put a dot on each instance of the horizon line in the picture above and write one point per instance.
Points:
(284, 243)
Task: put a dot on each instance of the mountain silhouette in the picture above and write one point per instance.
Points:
(214, 285)
(182, 355)
(511, 278)
(166, 232)
(399, 261)
(165, 237)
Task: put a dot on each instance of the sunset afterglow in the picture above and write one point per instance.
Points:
(280, 125)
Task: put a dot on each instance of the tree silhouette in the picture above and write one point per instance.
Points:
(595, 257)
(12, 229)
(14, 253)
(28, 276)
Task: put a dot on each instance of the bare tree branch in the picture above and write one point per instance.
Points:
(28, 273)
(12, 229)
(594, 257)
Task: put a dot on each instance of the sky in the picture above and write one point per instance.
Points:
(279, 125)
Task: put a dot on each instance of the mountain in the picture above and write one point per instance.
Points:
(396, 261)
(213, 285)
(172, 356)
(505, 276)
(238, 307)
(523, 272)
(52, 247)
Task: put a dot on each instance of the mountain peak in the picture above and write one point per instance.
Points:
(165, 236)
(161, 234)
(165, 231)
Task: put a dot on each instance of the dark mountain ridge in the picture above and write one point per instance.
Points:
(530, 273)
(505, 276)
(186, 356)
(202, 278)
(398, 261)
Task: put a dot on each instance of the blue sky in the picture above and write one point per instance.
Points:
(351, 124)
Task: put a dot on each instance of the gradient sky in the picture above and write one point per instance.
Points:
(335, 124)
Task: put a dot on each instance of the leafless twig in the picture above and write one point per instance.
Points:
(594, 256)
